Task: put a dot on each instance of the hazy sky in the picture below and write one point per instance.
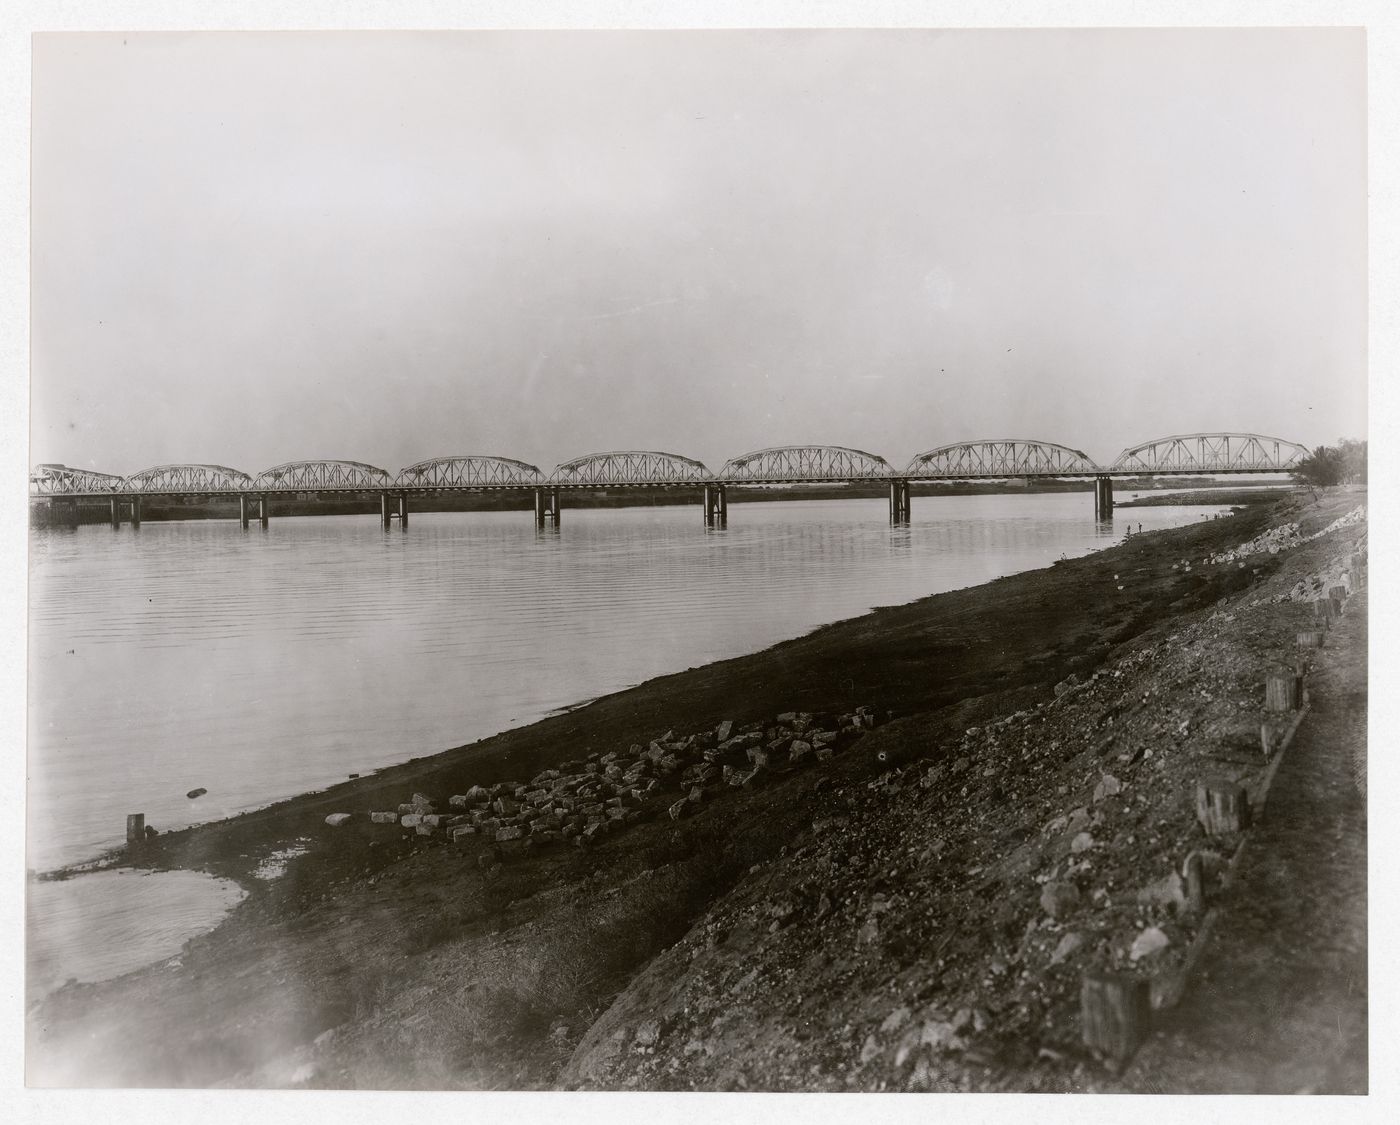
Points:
(255, 248)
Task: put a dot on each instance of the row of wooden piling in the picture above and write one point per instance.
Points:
(1116, 1007)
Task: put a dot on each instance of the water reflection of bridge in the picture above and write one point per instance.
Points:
(987, 460)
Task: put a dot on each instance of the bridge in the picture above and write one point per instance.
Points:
(985, 459)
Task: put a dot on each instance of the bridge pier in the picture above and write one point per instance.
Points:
(243, 504)
(716, 501)
(899, 501)
(117, 503)
(546, 506)
(1103, 498)
(389, 511)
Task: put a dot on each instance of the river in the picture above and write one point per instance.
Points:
(263, 663)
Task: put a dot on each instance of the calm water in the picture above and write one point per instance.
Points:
(259, 664)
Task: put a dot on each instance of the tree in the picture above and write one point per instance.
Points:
(1329, 465)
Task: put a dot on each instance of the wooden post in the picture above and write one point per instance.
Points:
(1222, 807)
(1114, 1010)
(539, 507)
(403, 511)
(1312, 638)
(708, 500)
(723, 505)
(1337, 593)
(242, 510)
(262, 510)
(135, 828)
(136, 511)
(1195, 884)
(1266, 739)
(116, 513)
(384, 510)
(1282, 691)
(1325, 609)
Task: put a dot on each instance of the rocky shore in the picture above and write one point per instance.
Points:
(882, 856)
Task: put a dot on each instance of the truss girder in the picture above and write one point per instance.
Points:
(629, 468)
(807, 463)
(1220, 453)
(1000, 457)
(311, 476)
(468, 471)
(188, 478)
(60, 480)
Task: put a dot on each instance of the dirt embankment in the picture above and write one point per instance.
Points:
(873, 921)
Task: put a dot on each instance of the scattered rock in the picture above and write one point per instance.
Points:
(1068, 945)
(336, 819)
(1167, 891)
(1151, 941)
(1108, 787)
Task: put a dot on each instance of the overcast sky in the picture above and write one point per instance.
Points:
(256, 248)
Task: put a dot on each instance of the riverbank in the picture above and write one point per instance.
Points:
(47, 512)
(388, 958)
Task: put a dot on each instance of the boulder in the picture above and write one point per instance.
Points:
(1151, 941)
(724, 730)
(1168, 891)
(336, 819)
(1109, 786)
(1067, 947)
(410, 820)
(383, 818)
(510, 832)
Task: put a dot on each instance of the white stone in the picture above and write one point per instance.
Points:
(1151, 941)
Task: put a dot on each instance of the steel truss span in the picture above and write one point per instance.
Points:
(814, 463)
(188, 478)
(311, 476)
(468, 471)
(1212, 453)
(60, 480)
(633, 467)
(1001, 457)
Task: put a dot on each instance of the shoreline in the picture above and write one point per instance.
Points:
(174, 848)
(361, 919)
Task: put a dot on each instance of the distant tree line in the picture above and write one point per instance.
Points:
(1343, 463)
